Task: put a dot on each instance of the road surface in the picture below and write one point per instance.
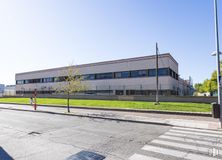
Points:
(42, 136)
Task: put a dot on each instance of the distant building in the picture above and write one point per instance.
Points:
(132, 76)
(9, 90)
(2, 87)
(185, 87)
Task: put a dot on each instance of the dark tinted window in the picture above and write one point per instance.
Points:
(89, 77)
(47, 80)
(36, 81)
(163, 71)
(177, 76)
(171, 72)
(56, 79)
(124, 74)
(151, 72)
(139, 73)
(104, 76)
(20, 82)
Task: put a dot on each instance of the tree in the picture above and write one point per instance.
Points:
(199, 87)
(72, 83)
(214, 81)
(209, 85)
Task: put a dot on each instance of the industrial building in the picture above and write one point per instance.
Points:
(2, 88)
(131, 76)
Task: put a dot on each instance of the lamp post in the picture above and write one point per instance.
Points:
(218, 59)
(157, 78)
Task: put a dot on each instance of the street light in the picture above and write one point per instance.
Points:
(217, 53)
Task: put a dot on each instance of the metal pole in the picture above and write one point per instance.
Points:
(218, 58)
(157, 78)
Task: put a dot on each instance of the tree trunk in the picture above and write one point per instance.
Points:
(68, 104)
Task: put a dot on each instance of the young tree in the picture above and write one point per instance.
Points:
(72, 83)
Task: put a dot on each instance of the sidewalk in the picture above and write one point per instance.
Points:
(151, 118)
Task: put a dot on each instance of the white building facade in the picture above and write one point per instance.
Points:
(132, 76)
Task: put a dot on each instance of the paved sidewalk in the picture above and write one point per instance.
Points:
(152, 118)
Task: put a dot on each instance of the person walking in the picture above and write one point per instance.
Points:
(31, 100)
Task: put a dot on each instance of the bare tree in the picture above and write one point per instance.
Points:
(72, 83)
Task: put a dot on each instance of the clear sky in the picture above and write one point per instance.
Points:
(41, 34)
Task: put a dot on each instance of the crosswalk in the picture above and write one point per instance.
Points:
(183, 143)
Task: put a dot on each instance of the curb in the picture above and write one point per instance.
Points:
(128, 110)
(90, 116)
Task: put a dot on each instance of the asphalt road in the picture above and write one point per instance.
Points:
(41, 136)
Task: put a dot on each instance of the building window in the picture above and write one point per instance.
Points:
(110, 75)
(163, 71)
(139, 73)
(89, 77)
(124, 74)
(36, 81)
(177, 76)
(57, 79)
(104, 76)
(20, 82)
(152, 72)
(48, 80)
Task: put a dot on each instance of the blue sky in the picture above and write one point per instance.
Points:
(40, 34)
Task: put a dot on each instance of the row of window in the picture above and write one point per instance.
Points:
(110, 75)
(111, 92)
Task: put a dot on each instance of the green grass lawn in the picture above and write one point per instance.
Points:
(169, 106)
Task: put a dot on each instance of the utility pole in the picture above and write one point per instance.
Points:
(157, 78)
(218, 59)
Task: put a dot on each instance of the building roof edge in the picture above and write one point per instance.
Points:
(106, 62)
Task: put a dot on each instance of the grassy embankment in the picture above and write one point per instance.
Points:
(169, 106)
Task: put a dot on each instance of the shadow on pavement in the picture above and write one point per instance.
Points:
(4, 155)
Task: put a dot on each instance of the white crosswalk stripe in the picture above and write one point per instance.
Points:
(142, 157)
(199, 130)
(196, 133)
(186, 146)
(213, 144)
(206, 138)
(183, 143)
(179, 154)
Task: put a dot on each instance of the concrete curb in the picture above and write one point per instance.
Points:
(128, 110)
(89, 116)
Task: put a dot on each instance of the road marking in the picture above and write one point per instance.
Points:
(195, 133)
(212, 139)
(142, 157)
(178, 154)
(188, 140)
(187, 146)
(199, 130)
(186, 143)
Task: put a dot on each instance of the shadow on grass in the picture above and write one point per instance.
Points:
(4, 155)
